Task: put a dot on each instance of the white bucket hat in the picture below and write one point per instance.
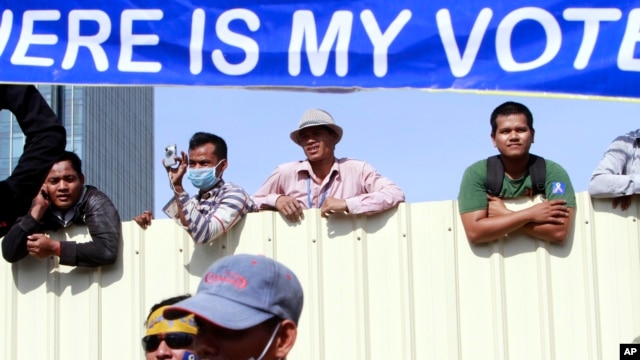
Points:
(316, 117)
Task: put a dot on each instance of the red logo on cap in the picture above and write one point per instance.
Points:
(229, 277)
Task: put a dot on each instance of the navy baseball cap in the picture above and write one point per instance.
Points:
(241, 291)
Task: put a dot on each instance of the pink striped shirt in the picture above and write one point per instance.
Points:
(355, 181)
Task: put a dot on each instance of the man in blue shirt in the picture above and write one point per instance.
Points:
(618, 173)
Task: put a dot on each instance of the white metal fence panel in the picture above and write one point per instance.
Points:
(405, 284)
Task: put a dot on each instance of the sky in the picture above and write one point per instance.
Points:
(422, 140)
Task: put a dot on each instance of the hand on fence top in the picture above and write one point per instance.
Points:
(144, 219)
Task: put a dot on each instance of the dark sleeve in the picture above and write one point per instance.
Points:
(45, 141)
(14, 244)
(103, 222)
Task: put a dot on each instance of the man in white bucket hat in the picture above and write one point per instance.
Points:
(324, 181)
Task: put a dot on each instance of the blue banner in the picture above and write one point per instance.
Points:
(567, 47)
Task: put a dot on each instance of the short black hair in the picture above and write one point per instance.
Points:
(169, 301)
(510, 108)
(201, 138)
(73, 159)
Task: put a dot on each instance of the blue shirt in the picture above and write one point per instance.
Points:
(618, 173)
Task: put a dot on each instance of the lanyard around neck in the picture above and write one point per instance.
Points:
(324, 193)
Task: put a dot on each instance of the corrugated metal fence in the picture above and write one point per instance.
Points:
(405, 284)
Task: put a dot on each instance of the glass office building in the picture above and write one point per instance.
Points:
(111, 129)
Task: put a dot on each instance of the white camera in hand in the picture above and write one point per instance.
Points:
(170, 152)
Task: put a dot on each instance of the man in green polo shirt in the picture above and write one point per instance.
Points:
(484, 215)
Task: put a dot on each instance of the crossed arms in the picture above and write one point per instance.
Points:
(549, 221)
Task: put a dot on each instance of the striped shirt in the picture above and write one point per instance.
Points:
(213, 213)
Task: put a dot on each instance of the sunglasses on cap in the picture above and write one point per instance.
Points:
(175, 340)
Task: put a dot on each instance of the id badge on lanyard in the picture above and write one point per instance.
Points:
(324, 193)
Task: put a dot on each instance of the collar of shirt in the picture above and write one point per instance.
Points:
(212, 192)
(305, 166)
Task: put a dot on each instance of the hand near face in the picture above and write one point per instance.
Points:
(144, 219)
(39, 205)
(177, 173)
(41, 246)
(624, 201)
(290, 208)
(331, 205)
(63, 185)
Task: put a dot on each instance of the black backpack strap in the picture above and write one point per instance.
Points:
(538, 173)
(495, 175)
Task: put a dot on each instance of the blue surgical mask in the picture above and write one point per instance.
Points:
(204, 178)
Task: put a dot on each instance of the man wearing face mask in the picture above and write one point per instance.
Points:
(247, 307)
(218, 206)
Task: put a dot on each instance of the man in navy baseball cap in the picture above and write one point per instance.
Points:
(246, 307)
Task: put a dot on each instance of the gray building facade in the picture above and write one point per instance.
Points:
(111, 129)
